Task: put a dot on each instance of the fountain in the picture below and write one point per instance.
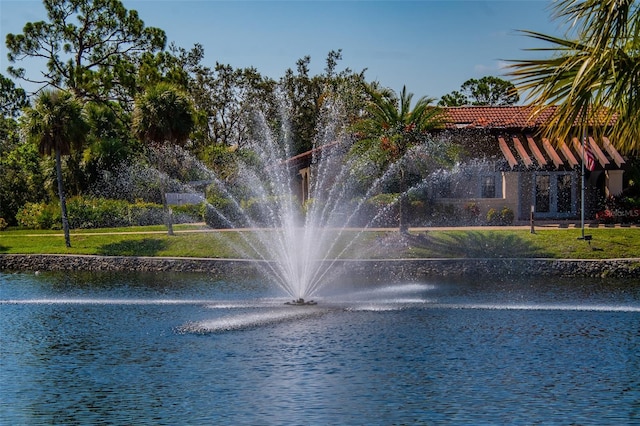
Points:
(293, 226)
(298, 228)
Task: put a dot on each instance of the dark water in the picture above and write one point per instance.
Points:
(192, 350)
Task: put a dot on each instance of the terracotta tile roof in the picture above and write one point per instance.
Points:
(495, 117)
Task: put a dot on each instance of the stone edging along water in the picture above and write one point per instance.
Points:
(379, 268)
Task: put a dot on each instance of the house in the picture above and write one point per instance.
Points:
(507, 163)
(522, 170)
(301, 165)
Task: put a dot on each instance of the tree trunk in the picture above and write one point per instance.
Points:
(63, 202)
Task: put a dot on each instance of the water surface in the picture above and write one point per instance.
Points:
(192, 349)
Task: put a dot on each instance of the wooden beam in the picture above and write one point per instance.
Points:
(568, 155)
(613, 152)
(523, 153)
(533, 147)
(557, 161)
(595, 149)
(507, 152)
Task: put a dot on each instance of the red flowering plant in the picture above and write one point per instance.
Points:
(619, 209)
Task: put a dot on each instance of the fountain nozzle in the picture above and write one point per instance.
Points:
(300, 302)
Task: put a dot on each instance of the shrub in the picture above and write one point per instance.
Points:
(90, 212)
(443, 215)
(503, 217)
(3, 224)
(470, 213)
(416, 214)
(506, 216)
(187, 213)
(493, 218)
(142, 213)
(620, 209)
(383, 200)
(218, 212)
(605, 216)
(381, 210)
(39, 216)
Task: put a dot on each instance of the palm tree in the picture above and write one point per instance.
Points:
(392, 127)
(163, 115)
(57, 125)
(592, 75)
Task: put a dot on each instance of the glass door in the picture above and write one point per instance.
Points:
(555, 195)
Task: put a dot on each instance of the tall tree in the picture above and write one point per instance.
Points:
(306, 96)
(90, 48)
(392, 127)
(23, 179)
(454, 99)
(163, 115)
(12, 98)
(301, 93)
(592, 74)
(177, 66)
(226, 97)
(110, 144)
(57, 126)
(488, 90)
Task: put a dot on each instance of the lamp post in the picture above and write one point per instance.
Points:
(533, 209)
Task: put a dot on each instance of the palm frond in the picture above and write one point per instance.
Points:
(591, 79)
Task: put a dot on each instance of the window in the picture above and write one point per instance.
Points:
(488, 187)
(543, 193)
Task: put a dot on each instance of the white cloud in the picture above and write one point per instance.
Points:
(480, 68)
(498, 66)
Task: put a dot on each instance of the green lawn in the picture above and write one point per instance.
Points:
(195, 241)
(608, 243)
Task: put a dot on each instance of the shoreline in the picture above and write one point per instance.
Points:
(374, 268)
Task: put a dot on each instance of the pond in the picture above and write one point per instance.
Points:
(167, 349)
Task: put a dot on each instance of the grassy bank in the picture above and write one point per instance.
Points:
(196, 241)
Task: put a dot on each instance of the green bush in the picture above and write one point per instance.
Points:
(502, 217)
(470, 214)
(90, 212)
(188, 213)
(381, 210)
(443, 215)
(143, 213)
(219, 212)
(267, 211)
(39, 216)
(493, 217)
(507, 216)
(383, 200)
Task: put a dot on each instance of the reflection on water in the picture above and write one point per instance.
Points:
(194, 349)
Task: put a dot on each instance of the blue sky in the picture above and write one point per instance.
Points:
(430, 46)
